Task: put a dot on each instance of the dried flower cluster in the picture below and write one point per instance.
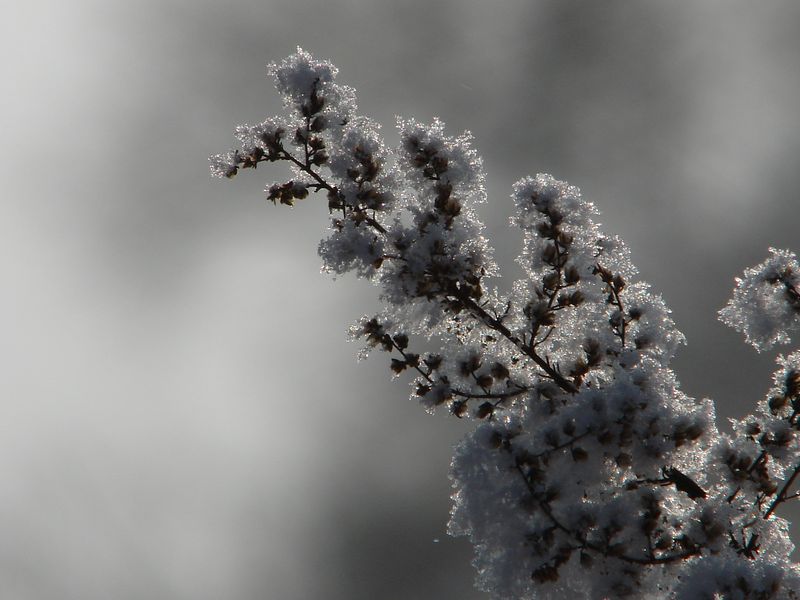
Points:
(589, 473)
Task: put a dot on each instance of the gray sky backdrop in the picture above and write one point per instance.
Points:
(181, 416)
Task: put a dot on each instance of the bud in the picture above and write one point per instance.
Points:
(401, 341)
(577, 298)
(549, 253)
(469, 366)
(319, 158)
(579, 454)
(551, 437)
(499, 371)
(433, 361)
(605, 437)
(776, 403)
(605, 274)
(495, 440)
(571, 275)
(753, 429)
(624, 460)
(695, 430)
(484, 410)
(793, 383)
(485, 381)
(551, 280)
(459, 407)
(439, 164)
(565, 239)
(318, 124)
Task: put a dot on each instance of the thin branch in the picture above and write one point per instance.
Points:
(526, 349)
(598, 548)
(477, 310)
(783, 494)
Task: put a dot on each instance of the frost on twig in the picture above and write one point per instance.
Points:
(589, 473)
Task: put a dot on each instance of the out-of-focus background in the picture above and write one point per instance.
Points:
(180, 414)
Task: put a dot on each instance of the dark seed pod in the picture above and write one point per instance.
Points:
(485, 381)
(776, 403)
(499, 371)
(484, 410)
(398, 366)
(401, 340)
(579, 454)
(793, 383)
(318, 124)
(571, 276)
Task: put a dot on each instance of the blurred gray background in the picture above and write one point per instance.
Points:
(182, 417)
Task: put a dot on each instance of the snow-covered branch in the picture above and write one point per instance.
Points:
(589, 473)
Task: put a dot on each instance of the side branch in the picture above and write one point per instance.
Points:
(783, 495)
(477, 311)
(481, 314)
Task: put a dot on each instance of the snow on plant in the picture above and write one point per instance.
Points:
(589, 473)
(766, 301)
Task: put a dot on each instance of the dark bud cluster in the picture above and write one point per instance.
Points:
(316, 151)
(446, 204)
(368, 166)
(593, 352)
(789, 398)
(485, 410)
(313, 144)
(686, 431)
(792, 383)
(437, 392)
(427, 158)
(743, 467)
(614, 281)
(618, 319)
(500, 371)
(447, 280)
(408, 360)
(578, 371)
(376, 335)
(315, 122)
(468, 366)
(252, 159)
(772, 439)
(314, 104)
(272, 143)
(786, 277)
(433, 165)
(286, 193)
(434, 388)
(367, 197)
(554, 292)
(271, 152)
(318, 124)
(233, 168)
(539, 313)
